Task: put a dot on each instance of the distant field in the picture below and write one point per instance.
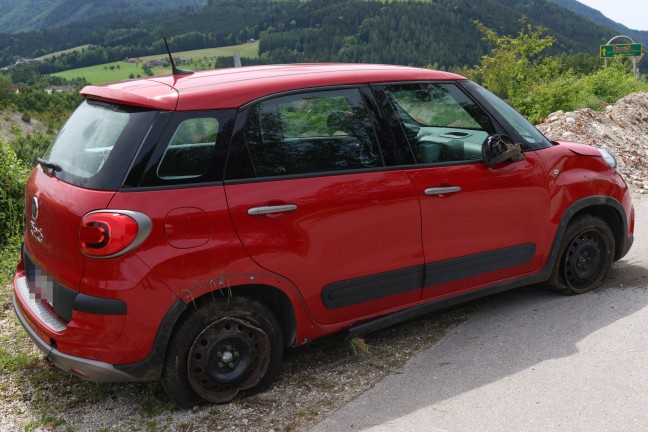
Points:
(121, 70)
(58, 53)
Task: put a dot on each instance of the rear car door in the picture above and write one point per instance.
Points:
(480, 225)
(311, 200)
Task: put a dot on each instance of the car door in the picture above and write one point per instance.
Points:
(480, 225)
(311, 200)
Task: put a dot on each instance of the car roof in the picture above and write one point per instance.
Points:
(234, 87)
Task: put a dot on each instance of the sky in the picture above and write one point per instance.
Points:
(630, 13)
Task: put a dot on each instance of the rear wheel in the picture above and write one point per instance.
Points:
(586, 256)
(223, 349)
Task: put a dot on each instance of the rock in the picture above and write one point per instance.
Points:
(621, 128)
(555, 116)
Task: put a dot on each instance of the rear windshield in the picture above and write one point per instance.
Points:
(96, 145)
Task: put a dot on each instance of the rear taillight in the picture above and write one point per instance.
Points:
(110, 233)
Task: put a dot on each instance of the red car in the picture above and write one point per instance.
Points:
(189, 228)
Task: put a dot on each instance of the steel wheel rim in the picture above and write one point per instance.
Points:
(583, 259)
(228, 356)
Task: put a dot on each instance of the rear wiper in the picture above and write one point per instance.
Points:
(51, 165)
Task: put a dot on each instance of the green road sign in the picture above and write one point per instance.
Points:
(631, 50)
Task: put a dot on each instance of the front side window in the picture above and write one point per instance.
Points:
(311, 133)
(530, 136)
(440, 122)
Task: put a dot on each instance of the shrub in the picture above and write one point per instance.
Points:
(29, 147)
(537, 86)
(13, 175)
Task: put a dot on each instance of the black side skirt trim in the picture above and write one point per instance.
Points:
(473, 265)
(363, 289)
(359, 290)
(425, 308)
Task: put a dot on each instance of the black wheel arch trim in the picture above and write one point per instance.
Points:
(150, 368)
(623, 242)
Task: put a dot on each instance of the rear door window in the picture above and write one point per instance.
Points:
(315, 132)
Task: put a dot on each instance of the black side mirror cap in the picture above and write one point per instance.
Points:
(497, 149)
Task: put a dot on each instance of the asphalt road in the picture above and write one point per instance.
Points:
(528, 360)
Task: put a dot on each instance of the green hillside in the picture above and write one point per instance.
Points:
(439, 32)
(122, 70)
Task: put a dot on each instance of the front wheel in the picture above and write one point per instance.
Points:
(224, 348)
(586, 256)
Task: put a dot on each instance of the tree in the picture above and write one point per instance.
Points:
(506, 69)
(5, 87)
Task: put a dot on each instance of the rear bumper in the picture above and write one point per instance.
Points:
(85, 368)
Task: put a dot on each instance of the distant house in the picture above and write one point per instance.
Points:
(158, 63)
(59, 89)
(134, 60)
(28, 61)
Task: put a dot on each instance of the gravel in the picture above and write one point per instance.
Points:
(621, 129)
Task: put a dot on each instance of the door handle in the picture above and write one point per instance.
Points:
(442, 190)
(266, 210)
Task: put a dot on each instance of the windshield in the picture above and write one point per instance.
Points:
(96, 145)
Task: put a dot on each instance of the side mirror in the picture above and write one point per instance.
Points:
(500, 148)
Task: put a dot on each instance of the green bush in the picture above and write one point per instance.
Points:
(611, 83)
(13, 175)
(537, 86)
(29, 147)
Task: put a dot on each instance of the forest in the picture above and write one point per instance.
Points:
(439, 32)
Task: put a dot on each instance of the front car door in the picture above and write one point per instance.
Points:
(311, 200)
(480, 225)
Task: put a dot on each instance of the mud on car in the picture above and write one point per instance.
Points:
(190, 228)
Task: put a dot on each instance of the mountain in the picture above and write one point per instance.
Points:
(29, 15)
(441, 32)
(597, 17)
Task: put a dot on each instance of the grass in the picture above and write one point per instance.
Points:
(9, 257)
(10, 362)
(122, 70)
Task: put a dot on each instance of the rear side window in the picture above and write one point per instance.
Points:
(310, 133)
(185, 148)
(190, 149)
(97, 143)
